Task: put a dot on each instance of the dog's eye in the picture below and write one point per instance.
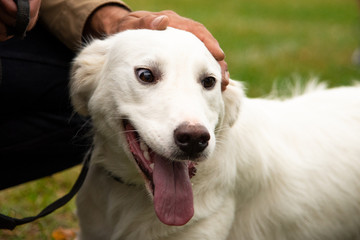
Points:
(208, 82)
(145, 75)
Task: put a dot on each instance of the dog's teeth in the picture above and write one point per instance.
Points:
(146, 155)
(143, 146)
(152, 166)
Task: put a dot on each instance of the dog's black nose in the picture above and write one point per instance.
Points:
(191, 138)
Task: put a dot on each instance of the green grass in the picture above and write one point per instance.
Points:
(29, 199)
(264, 41)
(267, 41)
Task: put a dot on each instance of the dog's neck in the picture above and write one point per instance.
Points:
(118, 179)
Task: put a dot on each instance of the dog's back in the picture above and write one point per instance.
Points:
(299, 167)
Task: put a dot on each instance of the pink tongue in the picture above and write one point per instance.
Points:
(173, 197)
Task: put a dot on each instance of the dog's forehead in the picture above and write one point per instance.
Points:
(153, 41)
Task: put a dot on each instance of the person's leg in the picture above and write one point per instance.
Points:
(39, 132)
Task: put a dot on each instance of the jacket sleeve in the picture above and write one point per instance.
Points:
(66, 18)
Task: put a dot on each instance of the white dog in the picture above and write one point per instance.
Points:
(177, 158)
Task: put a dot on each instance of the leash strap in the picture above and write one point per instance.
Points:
(10, 223)
(22, 19)
(6, 222)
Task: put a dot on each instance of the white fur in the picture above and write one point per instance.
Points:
(275, 169)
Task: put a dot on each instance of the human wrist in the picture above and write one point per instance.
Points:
(103, 19)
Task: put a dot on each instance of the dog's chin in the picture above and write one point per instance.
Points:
(168, 180)
(193, 158)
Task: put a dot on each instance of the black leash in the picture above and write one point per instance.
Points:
(22, 19)
(10, 223)
(6, 222)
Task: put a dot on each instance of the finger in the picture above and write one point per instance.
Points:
(199, 30)
(34, 13)
(149, 20)
(3, 32)
(32, 23)
(129, 22)
(210, 42)
(143, 20)
(154, 21)
(163, 19)
(160, 22)
(225, 75)
(34, 7)
(214, 48)
(146, 22)
(6, 18)
(9, 7)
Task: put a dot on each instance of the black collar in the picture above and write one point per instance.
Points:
(113, 176)
(119, 179)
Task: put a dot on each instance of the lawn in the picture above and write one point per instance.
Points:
(264, 41)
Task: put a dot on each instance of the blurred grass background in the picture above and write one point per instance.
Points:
(277, 40)
(264, 41)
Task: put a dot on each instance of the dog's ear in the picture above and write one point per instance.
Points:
(232, 97)
(85, 74)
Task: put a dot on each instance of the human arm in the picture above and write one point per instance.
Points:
(66, 18)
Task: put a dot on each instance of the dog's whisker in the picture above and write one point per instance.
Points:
(221, 129)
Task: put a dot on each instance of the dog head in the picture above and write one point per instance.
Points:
(157, 94)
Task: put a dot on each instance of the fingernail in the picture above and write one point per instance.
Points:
(220, 55)
(222, 51)
(157, 21)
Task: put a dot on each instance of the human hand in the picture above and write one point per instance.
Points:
(8, 11)
(111, 19)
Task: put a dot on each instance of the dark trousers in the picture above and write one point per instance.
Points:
(39, 132)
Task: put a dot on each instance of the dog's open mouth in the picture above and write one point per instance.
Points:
(169, 181)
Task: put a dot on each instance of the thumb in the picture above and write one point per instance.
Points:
(160, 22)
